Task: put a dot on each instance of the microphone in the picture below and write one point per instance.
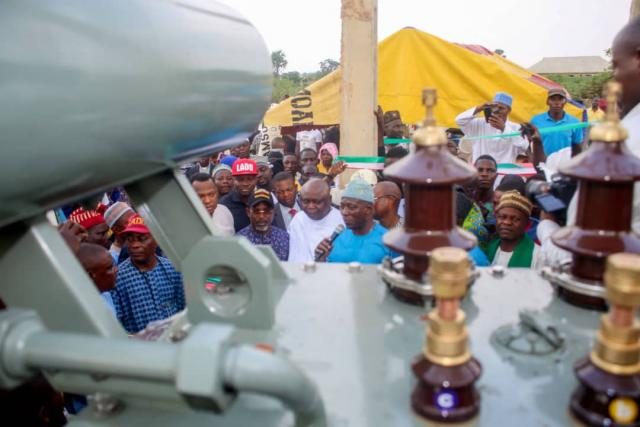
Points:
(339, 229)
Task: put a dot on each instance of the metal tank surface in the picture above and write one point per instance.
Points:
(99, 93)
(349, 334)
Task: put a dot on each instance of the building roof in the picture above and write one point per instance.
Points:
(570, 65)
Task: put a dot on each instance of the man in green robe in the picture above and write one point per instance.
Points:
(513, 247)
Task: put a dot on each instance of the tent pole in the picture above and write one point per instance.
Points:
(359, 61)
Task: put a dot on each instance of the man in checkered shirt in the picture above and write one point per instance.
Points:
(148, 288)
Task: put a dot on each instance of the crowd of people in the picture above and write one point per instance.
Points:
(292, 200)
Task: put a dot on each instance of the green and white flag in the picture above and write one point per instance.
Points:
(362, 162)
(522, 169)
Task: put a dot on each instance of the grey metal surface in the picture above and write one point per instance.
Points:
(251, 291)
(562, 277)
(391, 272)
(39, 271)
(356, 342)
(102, 92)
(206, 368)
(254, 370)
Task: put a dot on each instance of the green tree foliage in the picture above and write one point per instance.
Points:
(283, 86)
(292, 82)
(278, 61)
(328, 65)
(583, 87)
(294, 76)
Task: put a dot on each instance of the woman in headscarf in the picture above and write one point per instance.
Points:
(328, 152)
(223, 179)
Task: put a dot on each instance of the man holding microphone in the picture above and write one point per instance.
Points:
(362, 240)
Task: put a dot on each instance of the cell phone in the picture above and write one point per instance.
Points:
(526, 130)
(487, 113)
(549, 203)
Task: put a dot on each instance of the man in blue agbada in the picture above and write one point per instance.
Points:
(362, 240)
(148, 288)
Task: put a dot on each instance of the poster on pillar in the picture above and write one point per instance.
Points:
(265, 136)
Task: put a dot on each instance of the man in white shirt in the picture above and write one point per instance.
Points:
(203, 165)
(316, 222)
(493, 122)
(284, 187)
(206, 189)
(309, 139)
(626, 70)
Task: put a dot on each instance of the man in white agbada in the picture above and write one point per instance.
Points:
(626, 70)
(493, 122)
(317, 221)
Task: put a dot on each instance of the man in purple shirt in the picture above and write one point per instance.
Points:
(260, 231)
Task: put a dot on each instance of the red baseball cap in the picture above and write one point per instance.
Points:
(136, 225)
(87, 219)
(244, 167)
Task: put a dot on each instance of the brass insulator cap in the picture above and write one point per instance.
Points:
(617, 349)
(429, 134)
(449, 272)
(610, 129)
(447, 342)
(622, 279)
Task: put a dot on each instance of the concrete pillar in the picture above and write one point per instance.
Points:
(635, 9)
(359, 97)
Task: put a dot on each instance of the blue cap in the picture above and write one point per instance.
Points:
(228, 160)
(503, 98)
(359, 189)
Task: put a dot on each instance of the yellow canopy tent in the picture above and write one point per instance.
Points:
(411, 60)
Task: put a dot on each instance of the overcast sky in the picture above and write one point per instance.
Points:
(308, 31)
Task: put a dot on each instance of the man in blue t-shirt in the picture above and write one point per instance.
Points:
(362, 240)
(556, 116)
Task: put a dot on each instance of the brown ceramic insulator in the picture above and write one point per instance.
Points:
(446, 393)
(584, 301)
(602, 398)
(428, 176)
(606, 173)
(408, 297)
